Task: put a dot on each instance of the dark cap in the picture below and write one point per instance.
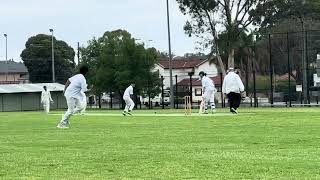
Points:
(202, 73)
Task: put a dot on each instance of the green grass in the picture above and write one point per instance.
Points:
(259, 144)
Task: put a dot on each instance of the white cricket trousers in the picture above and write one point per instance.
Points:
(46, 106)
(74, 106)
(208, 97)
(84, 104)
(129, 104)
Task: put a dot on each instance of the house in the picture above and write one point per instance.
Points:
(26, 97)
(184, 88)
(182, 67)
(13, 72)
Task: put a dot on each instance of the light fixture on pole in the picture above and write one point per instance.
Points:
(52, 46)
(170, 58)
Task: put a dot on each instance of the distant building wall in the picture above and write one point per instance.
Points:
(29, 101)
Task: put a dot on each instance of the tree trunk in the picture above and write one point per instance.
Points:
(220, 62)
(223, 70)
(100, 106)
(231, 58)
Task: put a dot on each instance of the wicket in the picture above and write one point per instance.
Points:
(187, 105)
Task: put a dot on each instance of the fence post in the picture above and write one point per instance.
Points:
(100, 101)
(289, 71)
(111, 103)
(247, 81)
(136, 101)
(271, 72)
(149, 99)
(162, 93)
(256, 103)
(176, 96)
(222, 99)
(307, 66)
(190, 74)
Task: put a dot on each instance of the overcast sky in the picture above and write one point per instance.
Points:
(79, 20)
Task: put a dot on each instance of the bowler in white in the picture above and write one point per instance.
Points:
(127, 99)
(74, 92)
(46, 99)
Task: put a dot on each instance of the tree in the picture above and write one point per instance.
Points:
(37, 58)
(272, 12)
(281, 17)
(164, 55)
(207, 16)
(116, 60)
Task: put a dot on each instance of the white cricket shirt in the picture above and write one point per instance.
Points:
(45, 96)
(77, 85)
(128, 92)
(207, 83)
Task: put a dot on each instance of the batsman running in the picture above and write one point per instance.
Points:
(208, 90)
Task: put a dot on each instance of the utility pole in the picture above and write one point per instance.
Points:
(170, 59)
(52, 56)
(7, 63)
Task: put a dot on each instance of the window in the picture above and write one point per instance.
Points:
(198, 91)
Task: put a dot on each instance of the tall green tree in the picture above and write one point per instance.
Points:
(116, 60)
(293, 17)
(37, 58)
(269, 13)
(210, 18)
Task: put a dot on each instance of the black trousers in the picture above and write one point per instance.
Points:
(234, 100)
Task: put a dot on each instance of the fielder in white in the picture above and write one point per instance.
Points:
(74, 92)
(46, 99)
(127, 99)
(208, 91)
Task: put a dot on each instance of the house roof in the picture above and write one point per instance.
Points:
(285, 77)
(29, 88)
(182, 63)
(197, 81)
(12, 67)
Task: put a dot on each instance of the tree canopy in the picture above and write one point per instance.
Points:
(37, 57)
(210, 18)
(116, 60)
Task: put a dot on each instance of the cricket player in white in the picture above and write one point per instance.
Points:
(46, 99)
(208, 90)
(74, 92)
(129, 103)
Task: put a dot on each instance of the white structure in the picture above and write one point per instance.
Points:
(27, 97)
(197, 88)
(316, 80)
(182, 66)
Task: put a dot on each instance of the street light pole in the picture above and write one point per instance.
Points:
(7, 65)
(305, 75)
(170, 59)
(52, 53)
